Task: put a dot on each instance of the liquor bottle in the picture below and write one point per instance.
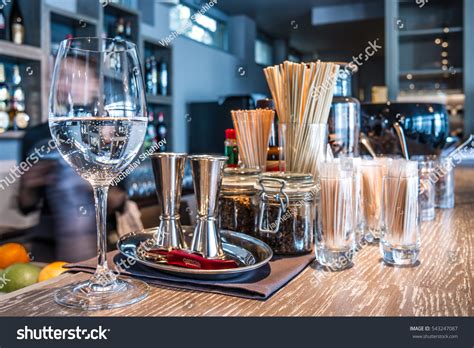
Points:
(161, 131)
(128, 30)
(4, 101)
(154, 76)
(120, 28)
(163, 78)
(17, 24)
(344, 117)
(19, 119)
(273, 154)
(148, 76)
(231, 149)
(150, 136)
(3, 27)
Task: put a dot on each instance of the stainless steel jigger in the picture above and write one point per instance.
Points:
(168, 169)
(207, 177)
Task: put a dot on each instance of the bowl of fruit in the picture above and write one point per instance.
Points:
(18, 271)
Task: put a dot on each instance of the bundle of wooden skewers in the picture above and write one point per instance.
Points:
(253, 133)
(400, 201)
(303, 94)
(336, 206)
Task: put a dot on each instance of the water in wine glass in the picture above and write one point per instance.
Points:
(98, 148)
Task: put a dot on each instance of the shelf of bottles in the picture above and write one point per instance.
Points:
(431, 49)
(66, 27)
(20, 66)
(27, 59)
(120, 23)
(158, 88)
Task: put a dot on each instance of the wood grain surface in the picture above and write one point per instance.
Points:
(441, 285)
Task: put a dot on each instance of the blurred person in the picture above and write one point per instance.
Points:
(67, 227)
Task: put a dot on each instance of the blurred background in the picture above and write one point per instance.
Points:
(201, 59)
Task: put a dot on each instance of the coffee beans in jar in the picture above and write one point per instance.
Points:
(287, 212)
(238, 201)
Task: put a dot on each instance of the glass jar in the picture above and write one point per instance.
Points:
(444, 196)
(303, 146)
(287, 212)
(344, 117)
(238, 200)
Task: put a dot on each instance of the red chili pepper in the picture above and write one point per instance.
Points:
(186, 259)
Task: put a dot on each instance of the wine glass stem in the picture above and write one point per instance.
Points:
(103, 275)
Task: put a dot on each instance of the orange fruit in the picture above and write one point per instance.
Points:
(11, 253)
(52, 270)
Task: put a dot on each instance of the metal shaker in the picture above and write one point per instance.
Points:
(168, 169)
(207, 177)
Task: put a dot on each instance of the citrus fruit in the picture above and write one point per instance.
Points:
(11, 253)
(19, 275)
(52, 270)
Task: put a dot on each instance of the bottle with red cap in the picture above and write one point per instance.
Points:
(230, 148)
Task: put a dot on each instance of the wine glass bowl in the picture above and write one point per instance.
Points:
(97, 119)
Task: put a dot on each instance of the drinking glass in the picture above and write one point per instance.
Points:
(372, 172)
(97, 118)
(444, 196)
(303, 147)
(335, 234)
(400, 238)
(428, 177)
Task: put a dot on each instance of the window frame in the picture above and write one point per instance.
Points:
(266, 39)
(221, 24)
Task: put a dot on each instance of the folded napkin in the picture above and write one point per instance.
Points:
(259, 284)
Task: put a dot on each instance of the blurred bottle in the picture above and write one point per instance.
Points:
(163, 78)
(150, 136)
(154, 75)
(4, 101)
(230, 148)
(120, 28)
(128, 30)
(148, 77)
(3, 25)
(19, 119)
(161, 131)
(17, 24)
(344, 116)
(273, 150)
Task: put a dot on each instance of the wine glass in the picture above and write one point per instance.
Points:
(97, 118)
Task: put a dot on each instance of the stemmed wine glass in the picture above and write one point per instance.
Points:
(97, 118)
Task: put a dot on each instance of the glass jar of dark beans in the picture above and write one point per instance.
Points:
(287, 212)
(238, 200)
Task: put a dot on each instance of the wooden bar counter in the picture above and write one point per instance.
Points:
(441, 285)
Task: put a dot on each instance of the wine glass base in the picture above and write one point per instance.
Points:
(87, 296)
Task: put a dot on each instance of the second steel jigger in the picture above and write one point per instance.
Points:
(207, 177)
(168, 169)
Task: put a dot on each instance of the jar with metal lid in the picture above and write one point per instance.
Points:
(287, 212)
(238, 200)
